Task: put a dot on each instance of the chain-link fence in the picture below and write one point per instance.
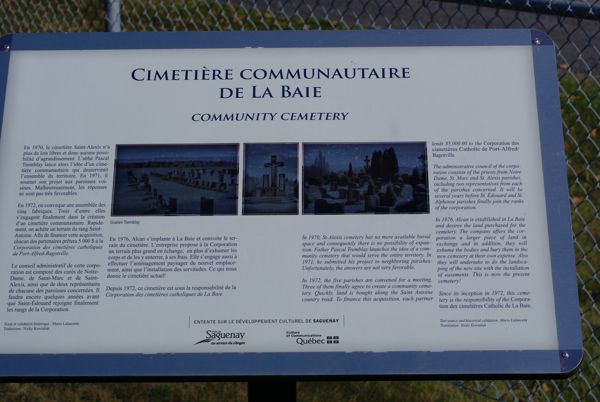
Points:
(573, 25)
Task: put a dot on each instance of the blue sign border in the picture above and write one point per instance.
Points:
(450, 364)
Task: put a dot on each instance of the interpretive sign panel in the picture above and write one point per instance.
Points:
(284, 204)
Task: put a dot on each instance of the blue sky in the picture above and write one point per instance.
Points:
(188, 152)
(338, 156)
(256, 155)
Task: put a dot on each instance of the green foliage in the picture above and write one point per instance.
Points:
(580, 102)
(384, 391)
(51, 16)
(117, 392)
(193, 15)
(147, 15)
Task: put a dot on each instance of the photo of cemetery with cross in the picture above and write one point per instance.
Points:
(377, 178)
(187, 179)
(270, 179)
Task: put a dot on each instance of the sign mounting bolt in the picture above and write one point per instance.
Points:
(6, 47)
(537, 41)
(565, 355)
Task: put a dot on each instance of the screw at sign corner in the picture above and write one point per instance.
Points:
(6, 47)
(537, 41)
(565, 355)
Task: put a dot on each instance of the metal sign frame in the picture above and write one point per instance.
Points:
(239, 366)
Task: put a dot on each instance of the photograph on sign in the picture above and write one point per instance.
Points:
(192, 179)
(271, 179)
(385, 178)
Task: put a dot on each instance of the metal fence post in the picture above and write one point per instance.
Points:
(112, 9)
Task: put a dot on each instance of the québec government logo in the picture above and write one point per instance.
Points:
(329, 340)
(312, 339)
(217, 337)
